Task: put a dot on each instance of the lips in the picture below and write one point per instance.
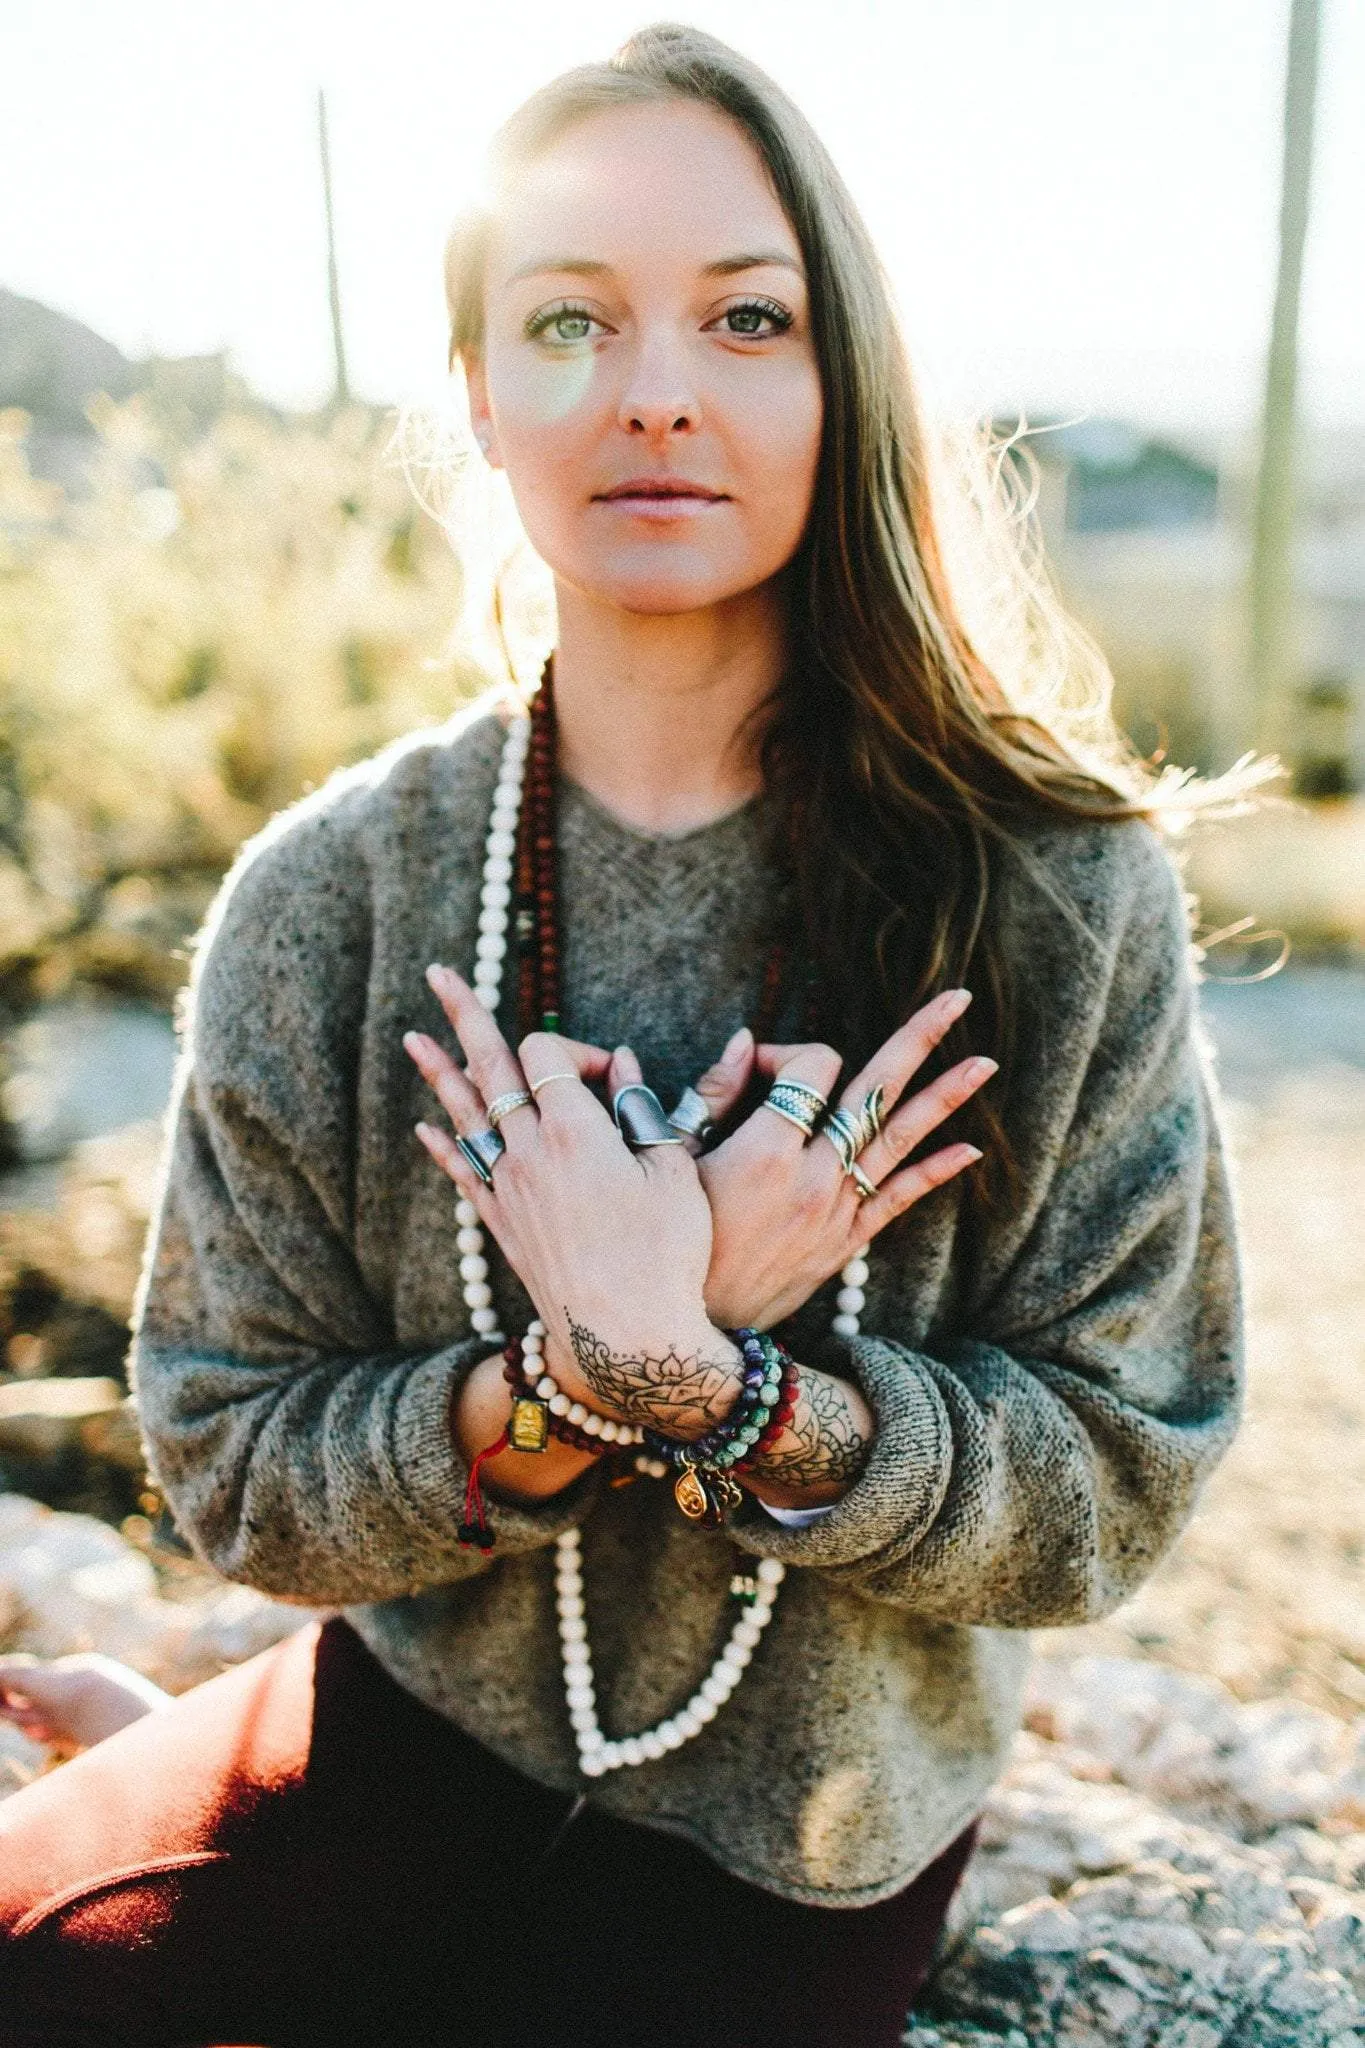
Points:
(660, 487)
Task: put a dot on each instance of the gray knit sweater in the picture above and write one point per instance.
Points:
(1047, 1408)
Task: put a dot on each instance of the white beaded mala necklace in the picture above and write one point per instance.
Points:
(597, 1755)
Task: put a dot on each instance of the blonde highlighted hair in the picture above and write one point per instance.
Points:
(939, 698)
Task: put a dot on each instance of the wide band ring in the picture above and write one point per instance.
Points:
(640, 1117)
(503, 1105)
(483, 1150)
(691, 1116)
(797, 1104)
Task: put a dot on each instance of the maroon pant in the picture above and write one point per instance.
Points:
(300, 1852)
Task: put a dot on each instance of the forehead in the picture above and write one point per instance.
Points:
(673, 182)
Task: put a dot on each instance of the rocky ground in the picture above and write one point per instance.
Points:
(1177, 1852)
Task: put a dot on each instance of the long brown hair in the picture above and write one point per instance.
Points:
(938, 698)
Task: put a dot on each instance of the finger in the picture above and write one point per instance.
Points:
(906, 1050)
(624, 1072)
(721, 1086)
(814, 1066)
(924, 1111)
(771, 1059)
(910, 1185)
(565, 1102)
(455, 1092)
(451, 1159)
(493, 1066)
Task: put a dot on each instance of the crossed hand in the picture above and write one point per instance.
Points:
(660, 1245)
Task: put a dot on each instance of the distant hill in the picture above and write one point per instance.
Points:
(52, 365)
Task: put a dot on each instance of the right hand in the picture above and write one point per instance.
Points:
(784, 1215)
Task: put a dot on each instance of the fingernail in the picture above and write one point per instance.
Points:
(741, 1042)
(982, 1069)
(438, 973)
(413, 1042)
(956, 1001)
(971, 1153)
(423, 1130)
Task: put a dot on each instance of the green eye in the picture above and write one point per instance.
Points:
(752, 311)
(559, 318)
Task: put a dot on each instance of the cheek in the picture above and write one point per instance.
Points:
(777, 439)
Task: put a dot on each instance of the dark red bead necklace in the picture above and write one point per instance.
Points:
(539, 1001)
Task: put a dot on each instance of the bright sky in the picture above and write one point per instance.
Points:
(1076, 198)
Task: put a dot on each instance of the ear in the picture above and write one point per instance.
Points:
(480, 416)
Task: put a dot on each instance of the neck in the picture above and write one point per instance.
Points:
(649, 706)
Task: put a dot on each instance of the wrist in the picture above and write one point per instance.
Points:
(680, 1375)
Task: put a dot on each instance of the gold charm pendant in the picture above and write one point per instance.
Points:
(689, 1491)
(706, 1497)
(528, 1426)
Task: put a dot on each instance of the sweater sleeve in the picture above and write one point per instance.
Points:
(1033, 1470)
(301, 1450)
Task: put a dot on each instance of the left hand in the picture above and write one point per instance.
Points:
(612, 1244)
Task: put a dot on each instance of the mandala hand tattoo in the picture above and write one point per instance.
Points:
(822, 1444)
(677, 1393)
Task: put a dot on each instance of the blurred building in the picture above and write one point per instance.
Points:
(1149, 542)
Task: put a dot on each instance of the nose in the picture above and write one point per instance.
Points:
(659, 397)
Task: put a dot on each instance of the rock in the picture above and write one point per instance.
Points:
(83, 1066)
(70, 1582)
(1194, 1748)
(39, 1418)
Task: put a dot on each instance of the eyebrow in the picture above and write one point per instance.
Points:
(724, 266)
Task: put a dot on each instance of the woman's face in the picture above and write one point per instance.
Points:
(647, 323)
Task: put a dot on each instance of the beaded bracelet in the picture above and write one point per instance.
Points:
(781, 1414)
(704, 1489)
(730, 1439)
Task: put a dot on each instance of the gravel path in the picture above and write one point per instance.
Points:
(1266, 1590)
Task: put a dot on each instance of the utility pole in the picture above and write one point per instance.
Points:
(1274, 636)
(341, 389)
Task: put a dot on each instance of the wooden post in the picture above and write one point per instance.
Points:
(1274, 637)
(341, 389)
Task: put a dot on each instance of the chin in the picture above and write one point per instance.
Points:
(656, 590)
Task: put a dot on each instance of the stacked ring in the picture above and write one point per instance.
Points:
(799, 1104)
(503, 1105)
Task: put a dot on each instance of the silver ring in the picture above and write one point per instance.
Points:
(845, 1133)
(800, 1105)
(817, 1101)
(861, 1182)
(483, 1150)
(691, 1116)
(872, 1115)
(562, 1075)
(503, 1105)
(643, 1122)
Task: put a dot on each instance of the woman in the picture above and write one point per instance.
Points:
(628, 1394)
